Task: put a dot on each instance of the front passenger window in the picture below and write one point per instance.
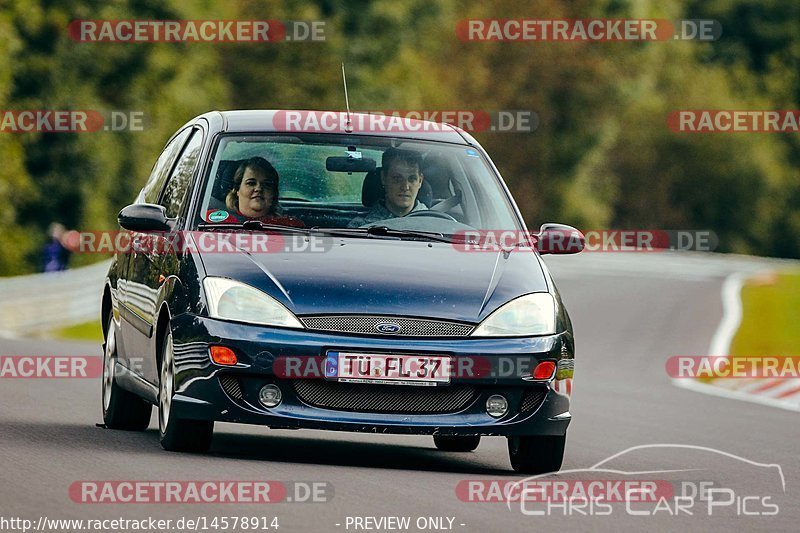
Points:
(178, 185)
(155, 183)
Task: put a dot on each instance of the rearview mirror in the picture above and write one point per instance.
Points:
(559, 239)
(349, 164)
(144, 217)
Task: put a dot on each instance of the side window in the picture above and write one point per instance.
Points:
(181, 178)
(161, 169)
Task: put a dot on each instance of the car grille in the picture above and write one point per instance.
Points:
(366, 325)
(532, 400)
(366, 398)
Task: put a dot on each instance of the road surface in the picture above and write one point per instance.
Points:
(630, 314)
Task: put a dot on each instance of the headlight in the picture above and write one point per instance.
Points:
(532, 314)
(231, 300)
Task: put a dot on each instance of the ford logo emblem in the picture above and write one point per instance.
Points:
(388, 327)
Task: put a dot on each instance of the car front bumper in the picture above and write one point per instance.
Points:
(207, 391)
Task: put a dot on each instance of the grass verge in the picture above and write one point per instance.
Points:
(89, 331)
(770, 317)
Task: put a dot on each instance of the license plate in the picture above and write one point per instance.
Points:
(388, 369)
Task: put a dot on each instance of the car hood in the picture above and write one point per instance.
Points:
(386, 277)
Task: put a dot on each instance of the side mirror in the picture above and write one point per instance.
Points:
(559, 239)
(144, 218)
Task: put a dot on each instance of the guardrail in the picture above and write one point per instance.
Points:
(41, 302)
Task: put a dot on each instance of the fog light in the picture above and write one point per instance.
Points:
(270, 395)
(496, 406)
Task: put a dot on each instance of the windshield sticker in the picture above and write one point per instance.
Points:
(472, 152)
(218, 216)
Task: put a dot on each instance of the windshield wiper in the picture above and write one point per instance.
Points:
(343, 232)
(384, 231)
(255, 225)
(380, 231)
(372, 231)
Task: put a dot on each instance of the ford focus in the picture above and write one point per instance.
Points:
(326, 275)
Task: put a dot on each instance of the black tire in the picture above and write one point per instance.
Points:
(536, 455)
(121, 409)
(176, 434)
(450, 443)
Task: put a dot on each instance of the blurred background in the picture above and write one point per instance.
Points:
(601, 157)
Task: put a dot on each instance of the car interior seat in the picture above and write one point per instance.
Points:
(223, 182)
(437, 174)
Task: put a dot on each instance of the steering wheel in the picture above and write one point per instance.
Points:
(429, 213)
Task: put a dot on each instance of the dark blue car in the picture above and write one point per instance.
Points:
(336, 277)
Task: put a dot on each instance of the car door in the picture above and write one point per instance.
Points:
(133, 323)
(160, 258)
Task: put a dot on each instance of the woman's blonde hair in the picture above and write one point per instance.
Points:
(264, 167)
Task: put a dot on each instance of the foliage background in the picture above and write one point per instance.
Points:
(602, 156)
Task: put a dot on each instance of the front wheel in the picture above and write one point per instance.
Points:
(176, 434)
(449, 443)
(121, 409)
(536, 455)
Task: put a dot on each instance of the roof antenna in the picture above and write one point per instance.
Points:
(349, 125)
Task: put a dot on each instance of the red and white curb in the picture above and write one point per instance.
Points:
(773, 392)
(563, 386)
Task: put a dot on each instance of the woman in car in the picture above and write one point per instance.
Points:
(254, 194)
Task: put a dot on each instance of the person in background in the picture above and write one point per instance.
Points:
(56, 254)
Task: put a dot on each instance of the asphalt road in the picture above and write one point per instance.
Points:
(630, 314)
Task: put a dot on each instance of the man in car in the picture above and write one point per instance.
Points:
(401, 178)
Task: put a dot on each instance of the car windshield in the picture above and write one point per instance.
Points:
(338, 181)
